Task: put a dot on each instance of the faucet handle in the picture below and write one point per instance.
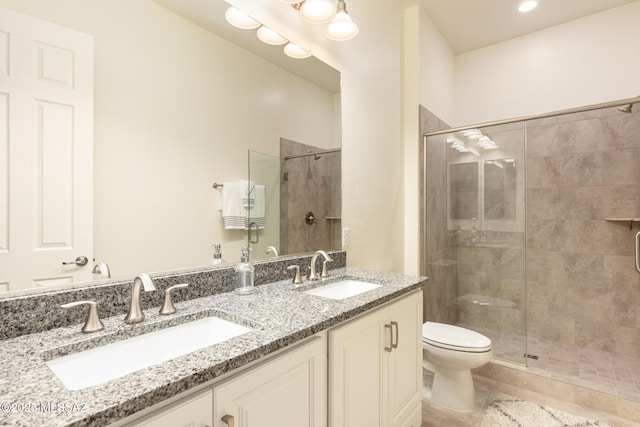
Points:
(296, 279)
(93, 322)
(168, 307)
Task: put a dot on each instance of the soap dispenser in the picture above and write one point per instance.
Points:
(244, 272)
(217, 256)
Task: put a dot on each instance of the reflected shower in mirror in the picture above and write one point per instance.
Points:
(310, 197)
(463, 190)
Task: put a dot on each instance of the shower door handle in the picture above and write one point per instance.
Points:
(638, 251)
(251, 225)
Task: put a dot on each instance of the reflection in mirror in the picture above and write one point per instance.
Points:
(176, 107)
(310, 198)
(264, 170)
(500, 189)
(463, 190)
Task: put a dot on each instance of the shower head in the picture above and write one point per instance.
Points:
(626, 108)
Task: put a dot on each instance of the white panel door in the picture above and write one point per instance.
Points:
(357, 372)
(46, 152)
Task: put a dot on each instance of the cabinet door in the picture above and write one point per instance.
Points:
(291, 390)
(357, 370)
(405, 361)
(196, 411)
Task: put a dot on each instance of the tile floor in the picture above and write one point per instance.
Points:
(436, 417)
(611, 373)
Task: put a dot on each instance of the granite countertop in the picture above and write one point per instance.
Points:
(279, 315)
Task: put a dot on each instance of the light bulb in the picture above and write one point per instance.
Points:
(317, 11)
(342, 27)
(294, 51)
(269, 36)
(239, 19)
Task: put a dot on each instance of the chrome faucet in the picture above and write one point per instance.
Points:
(312, 271)
(272, 249)
(102, 269)
(136, 315)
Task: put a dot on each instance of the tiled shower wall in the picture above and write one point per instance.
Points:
(582, 287)
(309, 185)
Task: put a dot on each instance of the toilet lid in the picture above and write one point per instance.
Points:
(454, 337)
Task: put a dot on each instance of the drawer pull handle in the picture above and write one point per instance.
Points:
(388, 349)
(395, 342)
(228, 420)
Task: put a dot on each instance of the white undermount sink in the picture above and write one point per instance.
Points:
(342, 289)
(97, 365)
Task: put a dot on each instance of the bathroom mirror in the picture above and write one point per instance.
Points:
(500, 189)
(463, 190)
(180, 97)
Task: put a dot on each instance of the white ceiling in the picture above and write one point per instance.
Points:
(472, 24)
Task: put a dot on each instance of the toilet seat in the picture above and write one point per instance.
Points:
(452, 337)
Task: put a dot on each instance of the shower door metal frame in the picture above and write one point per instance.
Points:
(538, 116)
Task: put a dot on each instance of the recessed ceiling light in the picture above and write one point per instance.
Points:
(527, 5)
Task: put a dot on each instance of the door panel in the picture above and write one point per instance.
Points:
(46, 152)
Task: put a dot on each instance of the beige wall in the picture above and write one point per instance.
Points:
(587, 61)
(372, 153)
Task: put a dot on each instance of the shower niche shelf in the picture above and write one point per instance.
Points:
(630, 221)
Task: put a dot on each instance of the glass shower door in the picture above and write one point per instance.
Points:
(474, 233)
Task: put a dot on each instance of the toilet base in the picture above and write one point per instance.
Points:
(451, 389)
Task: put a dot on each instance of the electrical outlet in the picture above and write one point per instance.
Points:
(345, 237)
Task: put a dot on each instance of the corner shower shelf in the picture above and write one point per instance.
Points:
(629, 220)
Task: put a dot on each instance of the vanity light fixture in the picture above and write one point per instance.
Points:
(527, 5)
(341, 27)
(241, 20)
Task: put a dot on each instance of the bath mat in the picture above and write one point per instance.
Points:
(509, 411)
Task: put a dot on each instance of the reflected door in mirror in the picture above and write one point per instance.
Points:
(46, 157)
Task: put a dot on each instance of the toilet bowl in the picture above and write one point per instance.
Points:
(449, 353)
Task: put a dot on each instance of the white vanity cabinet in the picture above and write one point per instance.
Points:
(375, 367)
(290, 390)
(193, 411)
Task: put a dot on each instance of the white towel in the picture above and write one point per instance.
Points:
(243, 204)
(233, 213)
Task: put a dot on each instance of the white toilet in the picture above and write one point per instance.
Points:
(450, 352)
